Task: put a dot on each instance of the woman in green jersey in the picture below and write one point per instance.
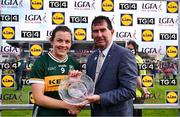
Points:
(48, 71)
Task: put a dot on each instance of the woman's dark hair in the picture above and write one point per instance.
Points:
(60, 28)
(134, 44)
(100, 19)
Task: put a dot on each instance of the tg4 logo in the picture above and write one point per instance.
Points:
(167, 82)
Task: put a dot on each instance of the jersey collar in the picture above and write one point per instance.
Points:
(56, 59)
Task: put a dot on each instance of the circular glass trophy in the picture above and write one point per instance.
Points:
(74, 90)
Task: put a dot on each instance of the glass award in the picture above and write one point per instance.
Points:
(74, 90)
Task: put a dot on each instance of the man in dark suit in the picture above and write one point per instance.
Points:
(115, 82)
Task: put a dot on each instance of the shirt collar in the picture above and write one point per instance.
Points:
(56, 59)
(106, 50)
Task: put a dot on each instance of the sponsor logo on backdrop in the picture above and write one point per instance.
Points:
(6, 50)
(30, 34)
(146, 66)
(126, 19)
(149, 50)
(172, 97)
(80, 34)
(168, 82)
(25, 81)
(9, 18)
(36, 4)
(36, 50)
(154, 98)
(128, 6)
(58, 18)
(48, 34)
(126, 35)
(78, 19)
(31, 98)
(7, 80)
(152, 7)
(8, 32)
(112, 19)
(11, 97)
(8, 65)
(168, 36)
(148, 61)
(35, 18)
(84, 5)
(172, 7)
(107, 5)
(177, 20)
(147, 80)
(167, 21)
(11, 3)
(147, 35)
(146, 21)
(58, 4)
(172, 51)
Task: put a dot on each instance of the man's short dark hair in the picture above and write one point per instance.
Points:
(100, 19)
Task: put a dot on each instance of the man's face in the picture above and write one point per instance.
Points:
(131, 47)
(61, 44)
(102, 35)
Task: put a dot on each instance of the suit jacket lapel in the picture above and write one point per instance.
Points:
(94, 64)
(106, 62)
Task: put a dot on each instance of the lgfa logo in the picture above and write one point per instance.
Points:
(8, 32)
(171, 97)
(126, 19)
(58, 18)
(108, 5)
(36, 4)
(172, 6)
(8, 80)
(147, 35)
(147, 80)
(79, 34)
(10, 3)
(172, 51)
(36, 50)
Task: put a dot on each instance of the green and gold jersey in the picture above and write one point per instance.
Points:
(50, 71)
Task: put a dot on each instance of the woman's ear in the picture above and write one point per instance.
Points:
(112, 31)
(50, 40)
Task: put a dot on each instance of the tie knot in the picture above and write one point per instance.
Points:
(101, 54)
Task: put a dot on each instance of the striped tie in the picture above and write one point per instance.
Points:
(99, 65)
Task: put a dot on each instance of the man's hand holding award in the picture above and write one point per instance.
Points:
(76, 88)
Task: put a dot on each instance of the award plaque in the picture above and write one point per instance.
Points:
(74, 90)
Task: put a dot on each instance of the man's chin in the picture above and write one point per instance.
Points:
(99, 46)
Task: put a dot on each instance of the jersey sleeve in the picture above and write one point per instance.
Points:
(37, 73)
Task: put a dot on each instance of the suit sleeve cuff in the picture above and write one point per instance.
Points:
(103, 100)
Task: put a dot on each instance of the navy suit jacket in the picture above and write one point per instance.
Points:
(116, 82)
